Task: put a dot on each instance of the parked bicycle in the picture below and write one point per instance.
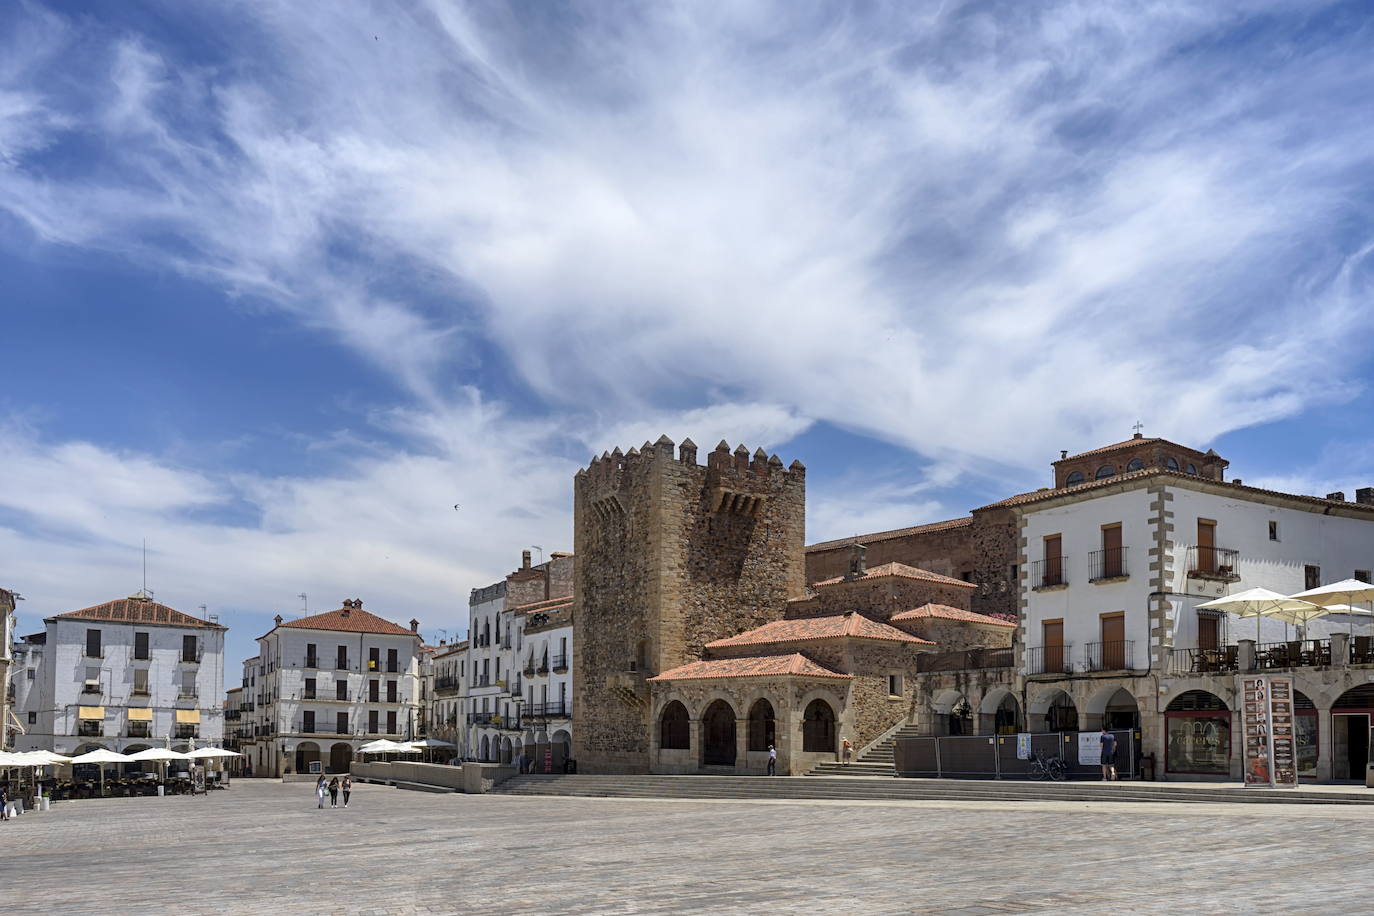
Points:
(1052, 768)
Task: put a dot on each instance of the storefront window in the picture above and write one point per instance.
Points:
(1198, 742)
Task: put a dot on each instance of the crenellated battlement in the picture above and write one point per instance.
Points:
(739, 472)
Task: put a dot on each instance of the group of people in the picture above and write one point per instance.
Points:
(333, 787)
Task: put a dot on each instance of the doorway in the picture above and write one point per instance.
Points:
(718, 735)
(1350, 745)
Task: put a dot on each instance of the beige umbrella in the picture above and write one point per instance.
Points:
(1257, 603)
(102, 757)
(1345, 592)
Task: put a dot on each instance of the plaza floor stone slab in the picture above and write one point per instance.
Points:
(263, 848)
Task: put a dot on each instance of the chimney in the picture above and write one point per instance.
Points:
(524, 559)
(1365, 496)
(1237, 481)
(1338, 496)
(277, 620)
(414, 625)
(857, 564)
(1063, 453)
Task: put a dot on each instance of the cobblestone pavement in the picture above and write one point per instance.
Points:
(262, 847)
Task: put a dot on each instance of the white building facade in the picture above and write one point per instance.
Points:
(449, 696)
(328, 684)
(124, 675)
(547, 632)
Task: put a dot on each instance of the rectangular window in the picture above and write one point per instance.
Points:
(374, 655)
(391, 661)
(1052, 639)
(391, 722)
(372, 691)
(1112, 566)
(1208, 631)
(93, 644)
(1198, 742)
(1273, 531)
(1363, 575)
(1113, 656)
(372, 722)
(141, 646)
(92, 674)
(341, 689)
(391, 691)
(308, 721)
(1312, 576)
(341, 662)
(33, 718)
(1206, 546)
(1054, 560)
(310, 688)
(341, 723)
(894, 685)
(188, 683)
(312, 659)
(190, 651)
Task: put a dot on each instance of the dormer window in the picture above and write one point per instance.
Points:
(1171, 463)
(1105, 471)
(1073, 479)
(1136, 465)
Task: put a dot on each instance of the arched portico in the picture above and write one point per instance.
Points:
(818, 727)
(1052, 710)
(307, 753)
(1111, 705)
(340, 756)
(718, 746)
(999, 713)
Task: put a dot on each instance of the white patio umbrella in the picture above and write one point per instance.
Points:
(102, 757)
(1257, 603)
(160, 756)
(430, 742)
(1347, 591)
(381, 746)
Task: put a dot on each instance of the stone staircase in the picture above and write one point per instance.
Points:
(879, 760)
(879, 789)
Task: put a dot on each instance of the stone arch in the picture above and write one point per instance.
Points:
(818, 727)
(1053, 710)
(307, 752)
(674, 727)
(1111, 705)
(486, 748)
(137, 766)
(561, 746)
(1000, 712)
(507, 751)
(340, 757)
(718, 734)
(942, 703)
(762, 725)
(1226, 695)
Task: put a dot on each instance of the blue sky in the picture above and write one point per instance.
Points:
(282, 283)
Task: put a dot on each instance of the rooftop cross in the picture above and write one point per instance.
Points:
(1138, 427)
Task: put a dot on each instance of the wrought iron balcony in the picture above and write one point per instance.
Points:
(1048, 573)
(1111, 656)
(560, 663)
(1048, 659)
(1109, 563)
(1219, 563)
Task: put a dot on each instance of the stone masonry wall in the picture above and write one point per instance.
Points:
(948, 552)
(881, 597)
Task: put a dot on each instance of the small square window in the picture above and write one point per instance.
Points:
(33, 718)
(894, 685)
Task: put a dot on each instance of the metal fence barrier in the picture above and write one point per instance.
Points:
(994, 756)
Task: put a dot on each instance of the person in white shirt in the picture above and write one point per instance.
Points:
(772, 760)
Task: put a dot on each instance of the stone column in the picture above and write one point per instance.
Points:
(694, 741)
(1245, 656)
(741, 745)
(1340, 649)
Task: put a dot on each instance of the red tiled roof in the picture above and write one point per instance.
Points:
(794, 665)
(894, 533)
(548, 604)
(944, 611)
(836, 626)
(1129, 443)
(903, 571)
(450, 648)
(140, 610)
(349, 620)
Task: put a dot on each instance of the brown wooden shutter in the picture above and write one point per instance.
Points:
(1053, 634)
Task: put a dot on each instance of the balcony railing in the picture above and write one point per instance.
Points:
(1221, 660)
(90, 729)
(447, 682)
(552, 710)
(483, 681)
(1048, 659)
(1220, 563)
(1108, 563)
(529, 670)
(969, 659)
(140, 730)
(1299, 653)
(312, 661)
(1111, 656)
(1048, 573)
(187, 731)
(191, 658)
(543, 667)
(560, 663)
(140, 691)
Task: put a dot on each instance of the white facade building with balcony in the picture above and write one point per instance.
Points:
(124, 675)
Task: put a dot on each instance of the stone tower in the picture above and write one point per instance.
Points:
(670, 556)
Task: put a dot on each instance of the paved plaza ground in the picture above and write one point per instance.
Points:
(262, 847)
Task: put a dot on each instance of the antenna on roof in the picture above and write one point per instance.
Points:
(305, 605)
(145, 567)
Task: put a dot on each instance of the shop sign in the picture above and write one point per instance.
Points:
(1270, 731)
(1089, 748)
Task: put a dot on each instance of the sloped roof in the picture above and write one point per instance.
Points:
(932, 527)
(1129, 443)
(137, 609)
(349, 620)
(835, 626)
(794, 665)
(945, 612)
(900, 570)
(547, 604)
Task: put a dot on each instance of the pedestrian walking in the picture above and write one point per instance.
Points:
(4, 804)
(772, 760)
(1108, 759)
(334, 792)
(347, 787)
(846, 750)
(319, 790)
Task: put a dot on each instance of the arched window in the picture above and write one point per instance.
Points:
(674, 732)
(818, 728)
(1171, 463)
(1073, 479)
(1105, 471)
(762, 730)
(1191, 469)
(1135, 465)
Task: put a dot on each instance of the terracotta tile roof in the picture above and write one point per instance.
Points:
(1022, 499)
(1129, 443)
(548, 604)
(894, 533)
(451, 648)
(901, 570)
(835, 626)
(794, 665)
(349, 620)
(135, 609)
(945, 612)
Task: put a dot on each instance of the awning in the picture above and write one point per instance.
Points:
(140, 715)
(188, 716)
(90, 712)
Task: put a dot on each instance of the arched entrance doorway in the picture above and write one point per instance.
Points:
(562, 750)
(307, 753)
(1197, 735)
(674, 728)
(818, 728)
(1062, 714)
(718, 735)
(507, 752)
(340, 756)
(1306, 733)
(1114, 708)
(1000, 713)
(1350, 720)
(762, 727)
